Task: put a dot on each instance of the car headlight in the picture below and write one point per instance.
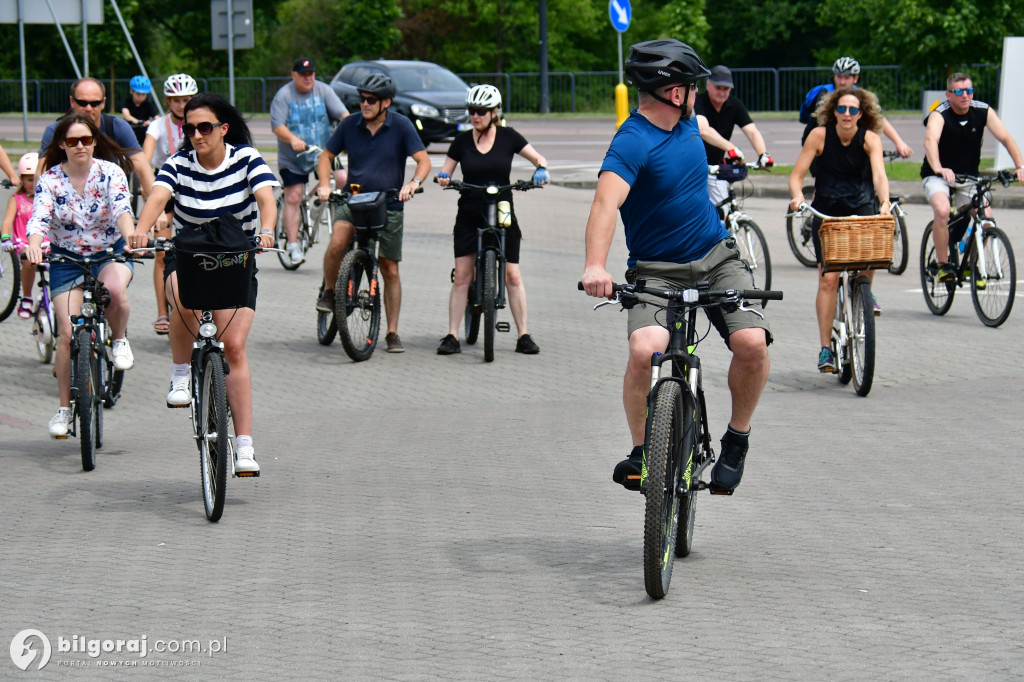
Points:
(425, 110)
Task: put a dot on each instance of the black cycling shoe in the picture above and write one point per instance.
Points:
(449, 346)
(728, 470)
(629, 472)
(526, 345)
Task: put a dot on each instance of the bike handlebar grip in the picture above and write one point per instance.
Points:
(761, 294)
(579, 285)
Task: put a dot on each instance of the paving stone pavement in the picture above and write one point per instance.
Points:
(425, 517)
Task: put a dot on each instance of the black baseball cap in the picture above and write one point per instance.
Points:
(303, 64)
(721, 76)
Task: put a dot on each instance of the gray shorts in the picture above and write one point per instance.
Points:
(390, 236)
(933, 184)
(723, 267)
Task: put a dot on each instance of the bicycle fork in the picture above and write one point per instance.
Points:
(840, 324)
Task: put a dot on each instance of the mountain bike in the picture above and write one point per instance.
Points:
(487, 292)
(677, 441)
(863, 243)
(749, 237)
(979, 252)
(799, 233)
(313, 217)
(94, 381)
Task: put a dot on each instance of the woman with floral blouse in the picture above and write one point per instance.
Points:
(82, 204)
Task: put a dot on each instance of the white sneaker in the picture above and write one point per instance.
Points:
(180, 394)
(295, 253)
(122, 352)
(245, 461)
(61, 423)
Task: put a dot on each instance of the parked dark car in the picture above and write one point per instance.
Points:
(431, 96)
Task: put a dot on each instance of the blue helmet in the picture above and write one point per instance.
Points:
(140, 84)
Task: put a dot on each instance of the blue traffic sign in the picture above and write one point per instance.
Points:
(620, 13)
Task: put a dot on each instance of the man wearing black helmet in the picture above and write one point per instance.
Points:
(377, 143)
(655, 175)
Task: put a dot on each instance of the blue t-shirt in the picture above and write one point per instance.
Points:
(376, 162)
(122, 134)
(668, 214)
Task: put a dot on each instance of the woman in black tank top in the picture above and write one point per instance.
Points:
(850, 175)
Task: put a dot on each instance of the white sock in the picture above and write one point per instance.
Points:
(179, 371)
(243, 441)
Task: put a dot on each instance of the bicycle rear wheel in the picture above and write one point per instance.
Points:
(113, 392)
(10, 282)
(42, 330)
(664, 472)
(213, 435)
(993, 292)
(938, 296)
(798, 233)
(900, 246)
(85, 400)
(754, 250)
(862, 338)
(490, 303)
(281, 237)
(693, 427)
(357, 305)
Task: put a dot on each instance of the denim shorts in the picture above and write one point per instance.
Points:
(66, 276)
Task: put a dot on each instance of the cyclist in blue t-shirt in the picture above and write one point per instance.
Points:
(655, 175)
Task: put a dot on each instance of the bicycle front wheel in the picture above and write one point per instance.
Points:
(862, 338)
(754, 250)
(994, 286)
(490, 303)
(213, 435)
(938, 296)
(900, 246)
(357, 305)
(661, 488)
(798, 233)
(85, 400)
(281, 238)
(10, 282)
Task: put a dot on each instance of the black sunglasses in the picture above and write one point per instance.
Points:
(369, 99)
(478, 112)
(94, 103)
(204, 128)
(841, 109)
(71, 142)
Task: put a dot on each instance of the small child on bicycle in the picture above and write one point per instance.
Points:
(13, 237)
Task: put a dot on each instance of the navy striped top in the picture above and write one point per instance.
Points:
(201, 195)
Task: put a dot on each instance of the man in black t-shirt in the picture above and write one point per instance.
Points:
(952, 146)
(724, 113)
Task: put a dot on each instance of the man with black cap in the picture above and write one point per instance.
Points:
(724, 113)
(300, 115)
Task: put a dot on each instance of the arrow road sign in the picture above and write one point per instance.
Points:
(620, 13)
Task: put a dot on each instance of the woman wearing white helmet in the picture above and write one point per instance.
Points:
(486, 154)
(163, 138)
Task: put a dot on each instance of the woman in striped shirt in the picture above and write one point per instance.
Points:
(217, 172)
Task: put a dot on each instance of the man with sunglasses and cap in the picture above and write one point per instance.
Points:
(952, 146)
(378, 142)
(300, 115)
(655, 176)
(88, 97)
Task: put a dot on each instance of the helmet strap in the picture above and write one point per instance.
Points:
(684, 107)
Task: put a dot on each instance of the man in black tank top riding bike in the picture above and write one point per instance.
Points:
(850, 175)
(952, 146)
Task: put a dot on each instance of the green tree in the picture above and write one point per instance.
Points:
(762, 33)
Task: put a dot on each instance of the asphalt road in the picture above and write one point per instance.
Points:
(427, 517)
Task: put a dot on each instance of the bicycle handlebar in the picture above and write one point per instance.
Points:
(165, 244)
(83, 262)
(804, 207)
(700, 297)
(341, 196)
(1005, 176)
(752, 165)
(520, 185)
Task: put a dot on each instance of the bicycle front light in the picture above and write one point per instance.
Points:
(425, 110)
(208, 330)
(88, 309)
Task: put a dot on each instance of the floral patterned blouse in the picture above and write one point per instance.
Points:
(81, 223)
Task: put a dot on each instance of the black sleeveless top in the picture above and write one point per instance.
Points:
(960, 141)
(843, 174)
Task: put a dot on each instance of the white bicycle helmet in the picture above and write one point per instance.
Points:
(180, 84)
(483, 97)
(27, 163)
(846, 66)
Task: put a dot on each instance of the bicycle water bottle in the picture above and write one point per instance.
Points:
(962, 244)
(504, 214)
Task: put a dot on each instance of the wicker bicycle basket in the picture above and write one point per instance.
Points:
(857, 243)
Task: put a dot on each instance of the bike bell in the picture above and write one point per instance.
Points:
(504, 214)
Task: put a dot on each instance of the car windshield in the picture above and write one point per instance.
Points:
(418, 78)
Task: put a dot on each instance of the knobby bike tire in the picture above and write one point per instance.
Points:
(10, 282)
(490, 303)
(101, 376)
(661, 512)
(900, 246)
(938, 296)
(862, 338)
(754, 250)
(993, 300)
(472, 319)
(693, 427)
(357, 305)
(281, 237)
(213, 429)
(42, 330)
(84, 401)
(800, 242)
(326, 328)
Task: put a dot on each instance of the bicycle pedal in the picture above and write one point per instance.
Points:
(715, 491)
(174, 407)
(503, 326)
(247, 474)
(60, 437)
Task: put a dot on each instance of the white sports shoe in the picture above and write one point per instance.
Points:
(61, 423)
(245, 461)
(180, 394)
(122, 352)
(295, 253)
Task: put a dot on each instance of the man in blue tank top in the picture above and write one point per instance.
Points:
(655, 175)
